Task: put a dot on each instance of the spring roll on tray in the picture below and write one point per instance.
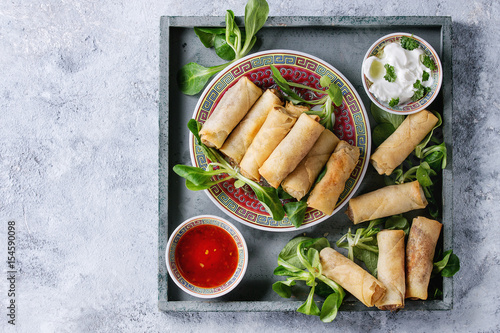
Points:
(300, 181)
(396, 148)
(277, 125)
(424, 234)
(387, 201)
(291, 150)
(242, 136)
(326, 192)
(232, 107)
(391, 268)
(351, 277)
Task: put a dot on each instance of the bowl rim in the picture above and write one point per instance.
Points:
(363, 110)
(210, 295)
(421, 42)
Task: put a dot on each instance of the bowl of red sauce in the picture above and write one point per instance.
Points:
(206, 256)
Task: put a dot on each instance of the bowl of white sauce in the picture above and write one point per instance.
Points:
(402, 73)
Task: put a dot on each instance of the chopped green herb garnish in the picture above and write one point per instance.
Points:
(420, 92)
(394, 102)
(409, 43)
(428, 62)
(390, 73)
(425, 76)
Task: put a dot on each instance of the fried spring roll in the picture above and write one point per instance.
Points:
(391, 268)
(326, 192)
(296, 110)
(387, 201)
(424, 234)
(277, 125)
(351, 277)
(396, 148)
(232, 107)
(291, 150)
(300, 181)
(242, 136)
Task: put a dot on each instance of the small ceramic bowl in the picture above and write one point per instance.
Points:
(437, 75)
(181, 277)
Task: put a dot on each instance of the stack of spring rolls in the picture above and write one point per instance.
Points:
(401, 274)
(394, 282)
(281, 144)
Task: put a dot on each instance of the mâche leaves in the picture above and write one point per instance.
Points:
(425, 141)
(222, 48)
(332, 95)
(382, 116)
(381, 132)
(397, 222)
(299, 260)
(296, 212)
(207, 35)
(362, 245)
(435, 156)
(228, 42)
(193, 77)
(448, 266)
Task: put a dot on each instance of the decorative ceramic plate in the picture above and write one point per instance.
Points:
(175, 273)
(351, 125)
(437, 75)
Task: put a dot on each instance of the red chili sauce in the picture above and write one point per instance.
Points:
(207, 256)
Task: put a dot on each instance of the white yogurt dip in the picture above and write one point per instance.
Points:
(408, 69)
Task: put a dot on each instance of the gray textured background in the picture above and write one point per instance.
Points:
(78, 166)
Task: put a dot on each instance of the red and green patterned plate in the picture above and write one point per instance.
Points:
(351, 125)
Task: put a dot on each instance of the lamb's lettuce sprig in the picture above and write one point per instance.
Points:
(201, 179)
(448, 265)
(230, 44)
(332, 95)
(299, 261)
(363, 245)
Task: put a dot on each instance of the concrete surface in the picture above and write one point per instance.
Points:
(78, 167)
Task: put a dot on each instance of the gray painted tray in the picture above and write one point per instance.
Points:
(341, 41)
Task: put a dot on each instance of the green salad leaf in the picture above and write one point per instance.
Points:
(299, 261)
(420, 147)
(397, 222)
(382, 117)
(332, 95)
(207, 35)
(448, 266)
(381, 132)
(362, 245)
(228, 42)
(296, 212)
